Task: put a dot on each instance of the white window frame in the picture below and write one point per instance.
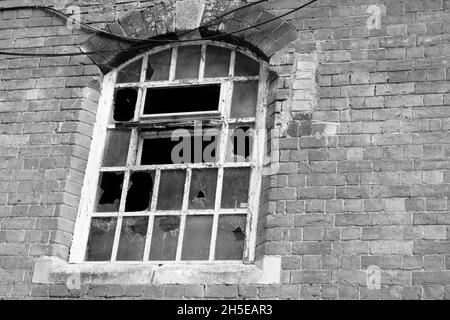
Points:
(94, 167)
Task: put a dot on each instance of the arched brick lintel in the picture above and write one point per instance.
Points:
(176, 17)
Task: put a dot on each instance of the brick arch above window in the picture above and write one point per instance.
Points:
(174, 18)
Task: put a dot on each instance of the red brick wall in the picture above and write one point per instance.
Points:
(374, 192)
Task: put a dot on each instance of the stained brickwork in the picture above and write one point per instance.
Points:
(364, 177)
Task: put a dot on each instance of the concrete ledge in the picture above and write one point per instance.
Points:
(53, 270)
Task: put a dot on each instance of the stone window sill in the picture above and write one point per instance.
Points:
(50, 270)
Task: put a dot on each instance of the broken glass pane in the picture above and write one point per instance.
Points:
(158, 67)
(130, 73)
(230, 237)
(188, 62)
(171, 190)
(197, 237)
(132, 239)
(164, 238)
(101, 238)
(245, 66)
(140, 189)
(217, 63)
(109, 192)
(182, 99)
(202, 192)
(125, 104)
(243, 103)
(240, 144)
(235, 188)
(116, 152)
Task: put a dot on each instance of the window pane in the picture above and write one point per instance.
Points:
(140, 189)
(158, 67)
(197, 237)
(230, 237)
(110, 190)
(132, 239)
(217, 63)
(240, 144)
(116, 152)
(171, 189)
(182, 99)
(125, 104)
(243, 104)
(202, 192)
(188, 62)
(245, 66)
(130, 73)
(101, 238)
(235, 188)
(164, 238)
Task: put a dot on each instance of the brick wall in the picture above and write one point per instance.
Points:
(364, 173)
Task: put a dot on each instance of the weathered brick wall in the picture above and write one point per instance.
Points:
(364, 176)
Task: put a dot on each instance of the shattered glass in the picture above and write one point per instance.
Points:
(132, 239)
(230, 237)
(202, 191)
(101, 239)
(158, 67)
(164, 238)
(140, 189)
(109, 191)
(130, 73)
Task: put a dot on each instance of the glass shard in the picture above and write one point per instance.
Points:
(243, 103)
(230, 237)
(158, 67)
(217, 63)
(197, 237)
(101, 239)
(109, 192)
(164, 238)
(132, 239)
(125, 104)
(182, 99)
(140, 191)
(116, 152)
(202, 191)
(130, 73)
(235, 188)
(188, 62)
(245, 66)
(171, 190)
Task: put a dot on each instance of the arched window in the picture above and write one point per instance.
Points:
(174, 168)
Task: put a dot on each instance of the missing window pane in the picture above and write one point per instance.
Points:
(243, 103)
(197, 237)
(217, 63)
(116, 152)
(245, 66)
(164, 238)
(202, 191)
(109, 192)
(171, 190)
(140, 191)
(125, 104)
(235, 188)
(182, 99)
(230, 237)
(240, 144)
(158, 67)
(188, 62)
(130, 73)
(101, 239)
(132, 239)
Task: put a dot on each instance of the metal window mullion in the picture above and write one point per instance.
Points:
(183, 214)
(201, 71)
(116, 238)
(173, 64)
(144, 67)
(216, 213)
(232, 63)
(151, 218)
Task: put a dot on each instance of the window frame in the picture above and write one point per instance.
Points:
(94, 166)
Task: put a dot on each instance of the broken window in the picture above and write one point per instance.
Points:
(230, 237)
(176, 162)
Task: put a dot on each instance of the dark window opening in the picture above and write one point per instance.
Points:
(125, 104)
(110, 191)
(140, 191)
(182, 99)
